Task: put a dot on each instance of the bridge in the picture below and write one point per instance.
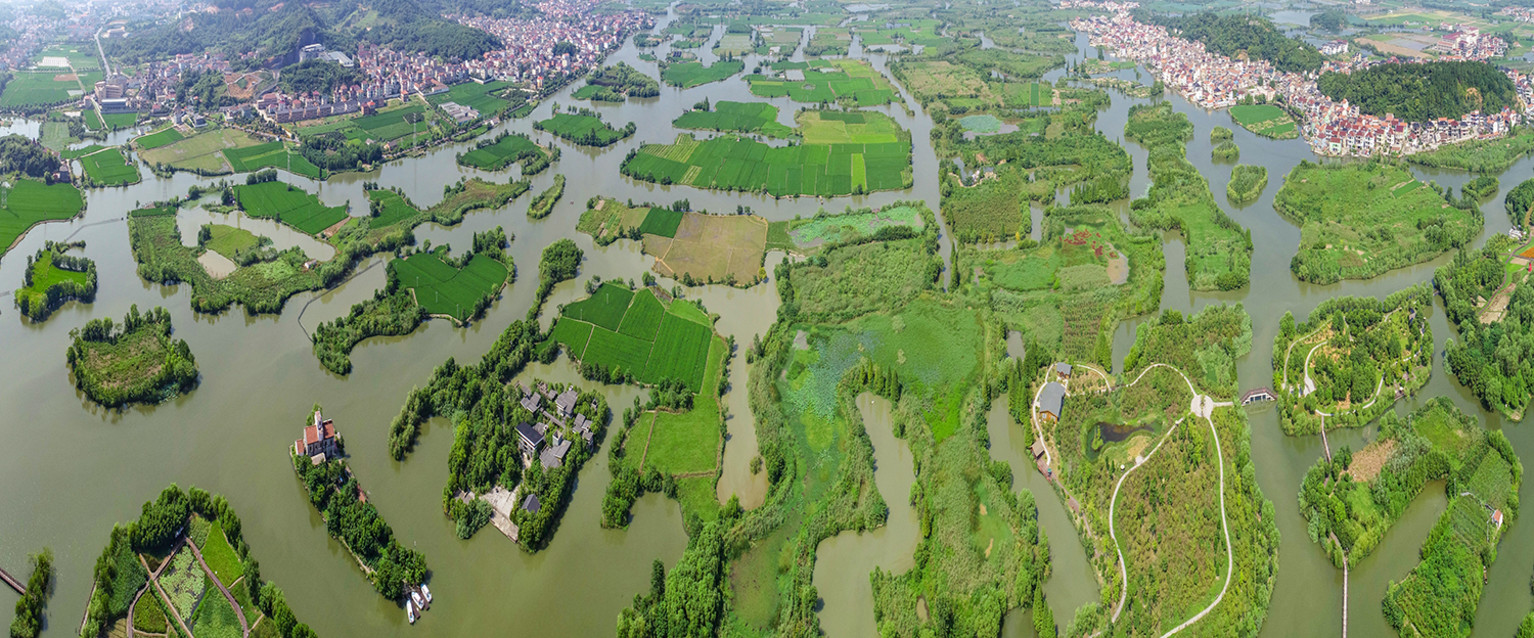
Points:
(12, 582)
(1258, 395)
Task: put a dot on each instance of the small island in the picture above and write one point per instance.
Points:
(1246, 183)
(319, 458)
(136, 361)
(183, 568)
(616, 83)
(544, 203)
(54, 276)
(584, 127)
(496, 153)
(1226, 151)
(1360, 220)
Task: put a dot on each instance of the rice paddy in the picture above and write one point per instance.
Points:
(270, 155)
(108, 167)
(849, 81)
(202, 153)
(639, 333)
(1265, 120)
(690, 74)
(30, 202)
(387, 125)
(738, 117)
(442, 289)
(291, 206)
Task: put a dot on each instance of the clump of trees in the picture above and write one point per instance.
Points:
(561, 261)
(1234, 34)
(688, 602)
(136, 361)
(334, 492)
(1491, 359)
(21, 155)
(28, 622)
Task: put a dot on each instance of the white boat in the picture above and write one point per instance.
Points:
(415, 597)
(410, 611)
(426, 591)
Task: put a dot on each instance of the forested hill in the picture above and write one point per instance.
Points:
(276, 30)
(1230, 35)
(1423, 91)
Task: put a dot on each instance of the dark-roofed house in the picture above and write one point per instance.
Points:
(1063, 370)
(532, 401)
(528, 440)
(565, 402)
(1051, 401)
(530, 504)
(554, 454)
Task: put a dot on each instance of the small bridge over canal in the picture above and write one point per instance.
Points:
(1258, 395)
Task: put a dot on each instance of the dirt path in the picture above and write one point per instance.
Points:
(244, 626)
(154, 578)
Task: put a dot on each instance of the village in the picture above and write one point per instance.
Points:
(1214, 81)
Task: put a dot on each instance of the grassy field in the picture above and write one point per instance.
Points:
(220, 557)
(637, 333)
(690, 74)
(216, 618)
(842, 154)
(588, 130)
(941, 80)
(480, 97)
(203, 153)
(739, 117)
(108, 167)
(848, 81)
(1265, 120)
(163, 137)
(444, 290)
(500, 154)
(39, 88)
(710, 248)
(1360, 220)
(33, 299)
(294, 207)
(30, 202)
(274, 154)
(812, 233)
(688, 442)
(388, 124)
(230, 241)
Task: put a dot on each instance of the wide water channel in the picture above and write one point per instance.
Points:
(70, 470)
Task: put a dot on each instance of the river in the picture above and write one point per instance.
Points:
(71, 470)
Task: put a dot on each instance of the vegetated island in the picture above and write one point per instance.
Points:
(1359, 220)
(28, 621)
(104, 166)
(1482, 188)
(1219, 250)
(584, 127)
(690, 74)
(53, 276)
(851, 82)
(420, 284)
(186, 547)
(136, 361)
(319, 459)
(843, 153)
(264, 279)
(616, 83)
(1352, 360)
(1226, 151)
(544, 203)
(1352, 499)
(1519, 204)
(1490, 302)
(1246, 183)
(1422, 91)
(620, 335)
(735, 117)
(1169, 468)
(496, 153)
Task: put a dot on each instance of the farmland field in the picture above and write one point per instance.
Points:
(816, 231)
(588, 130)
(1265, 120)
(30, 202)
(689, 442)
(480, 97)
(39, 88)
(108, 167)
(500, 154)
(230, 241)
(842, 154)
(387, 125)
(291, 206)
(741, 117)
(849, 81)
(690, 74)
(622, 333)
(709, 248)
(444, 290)
(163, 137)
(270, 155)
(201, 153)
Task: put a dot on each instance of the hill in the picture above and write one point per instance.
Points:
(1423, 91)
(1231, 35)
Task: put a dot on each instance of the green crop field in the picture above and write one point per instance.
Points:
(108, 167)
(444, 290)
(220, 557)
(842, 154)
(688, 442)
(230, 241)
(216, 618)
(662, 222)
(480, 97)
(292, 206)
(39, 88)
(387, 125)
(31, 202)
(163, 137)
(395, 208)
(690, 74)
(270, 155)
(500, 154)
(742, 117)
(822, 229)
(1264, 119)
(850, 81)
(588, 130)
(200, 153)
(637, 333)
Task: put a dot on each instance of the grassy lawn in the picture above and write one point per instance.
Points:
(1265, 120)
(690, 74)
(624, 334)
(271, 155)
(843, 153)
(30, 202)
(445, 290)
(108, 167)
(291, 206)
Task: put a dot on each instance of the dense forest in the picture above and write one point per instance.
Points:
(1423, 91)
(21, 155)
(1233, 35)
(1491, 359)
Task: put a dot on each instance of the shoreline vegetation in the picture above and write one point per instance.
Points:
(135, 361)
(53, 277)
(147, 570)
(336, 495)
(28, 621)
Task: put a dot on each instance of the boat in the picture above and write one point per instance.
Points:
(415, 597)
(410, 611)
(426, 591)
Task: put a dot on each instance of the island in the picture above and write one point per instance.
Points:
(183, 568)
(584, 127)
(1246, 183)
(1490, 303)
(616, 83)
(28, 622)
(136, 361)
(53, 277)
(505, 149)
